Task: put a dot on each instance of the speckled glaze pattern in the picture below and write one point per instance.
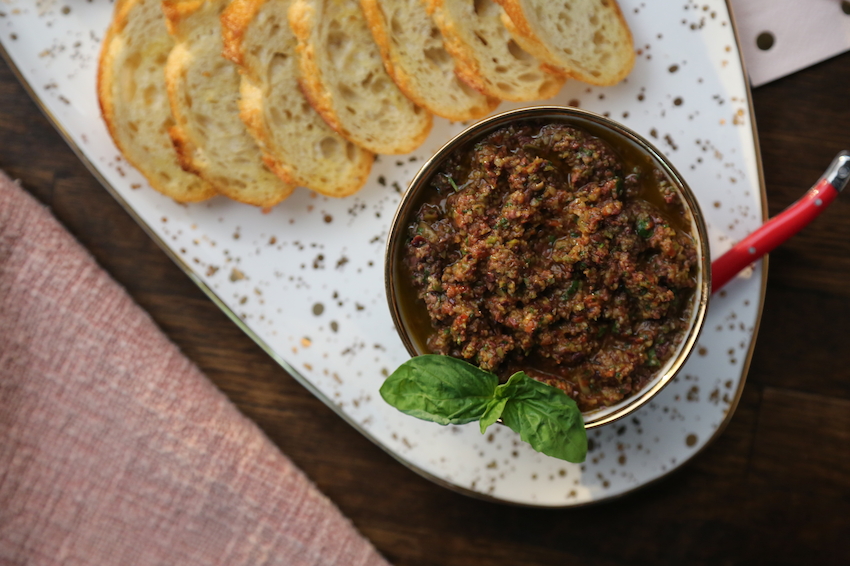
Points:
(305, 279)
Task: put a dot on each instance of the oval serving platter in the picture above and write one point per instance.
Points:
(305, 280)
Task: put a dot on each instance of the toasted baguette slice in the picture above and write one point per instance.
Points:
(203, 88)
(486, 56)
(119, 6)
(296, 143)
(343, 76)
(588, 39)
(133, 101)
(414, 56)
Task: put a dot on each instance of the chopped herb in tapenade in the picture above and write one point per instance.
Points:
(539, 253)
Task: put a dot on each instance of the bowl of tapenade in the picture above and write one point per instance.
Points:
(554, 241)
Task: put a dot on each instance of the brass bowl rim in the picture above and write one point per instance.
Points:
(570, 116)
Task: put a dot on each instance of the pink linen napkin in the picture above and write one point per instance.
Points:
(114, 448)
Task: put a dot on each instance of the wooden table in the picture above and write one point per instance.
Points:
(774, 488)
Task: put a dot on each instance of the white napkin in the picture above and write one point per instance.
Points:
(803, 32)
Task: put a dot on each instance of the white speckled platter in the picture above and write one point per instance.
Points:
(305, 280)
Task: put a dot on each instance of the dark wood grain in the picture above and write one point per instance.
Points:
(773, 489)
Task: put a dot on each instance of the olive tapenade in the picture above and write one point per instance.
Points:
(541, 250)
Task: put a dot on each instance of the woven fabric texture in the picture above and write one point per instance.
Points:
(114, 448)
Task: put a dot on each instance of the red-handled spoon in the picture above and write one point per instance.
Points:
(784, 225)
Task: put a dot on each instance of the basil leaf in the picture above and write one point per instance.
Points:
(440, 389)
(492, 413)
(545, 417)
(447, 390)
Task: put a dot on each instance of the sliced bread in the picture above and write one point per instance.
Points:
(134, 103)
(296, 142)
(486, 55)
(414, 56)
(587, 39)
(343, 77)
(203, 88)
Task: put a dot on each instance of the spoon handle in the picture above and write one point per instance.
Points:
(784, 225)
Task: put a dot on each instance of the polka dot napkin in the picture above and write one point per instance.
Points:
(780, 37)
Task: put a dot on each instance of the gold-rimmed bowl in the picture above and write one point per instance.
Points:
(402, 301)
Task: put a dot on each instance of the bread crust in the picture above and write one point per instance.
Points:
(468, 67)
(104, 68)
(234, 22)
(261, 187)
(396, 70)
(325, 178)
(301, 15)
(375, 21)
(303, 21)
(177, 10)
(181, 186)
(517, 23)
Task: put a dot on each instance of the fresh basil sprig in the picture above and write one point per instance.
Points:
(447, 390)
